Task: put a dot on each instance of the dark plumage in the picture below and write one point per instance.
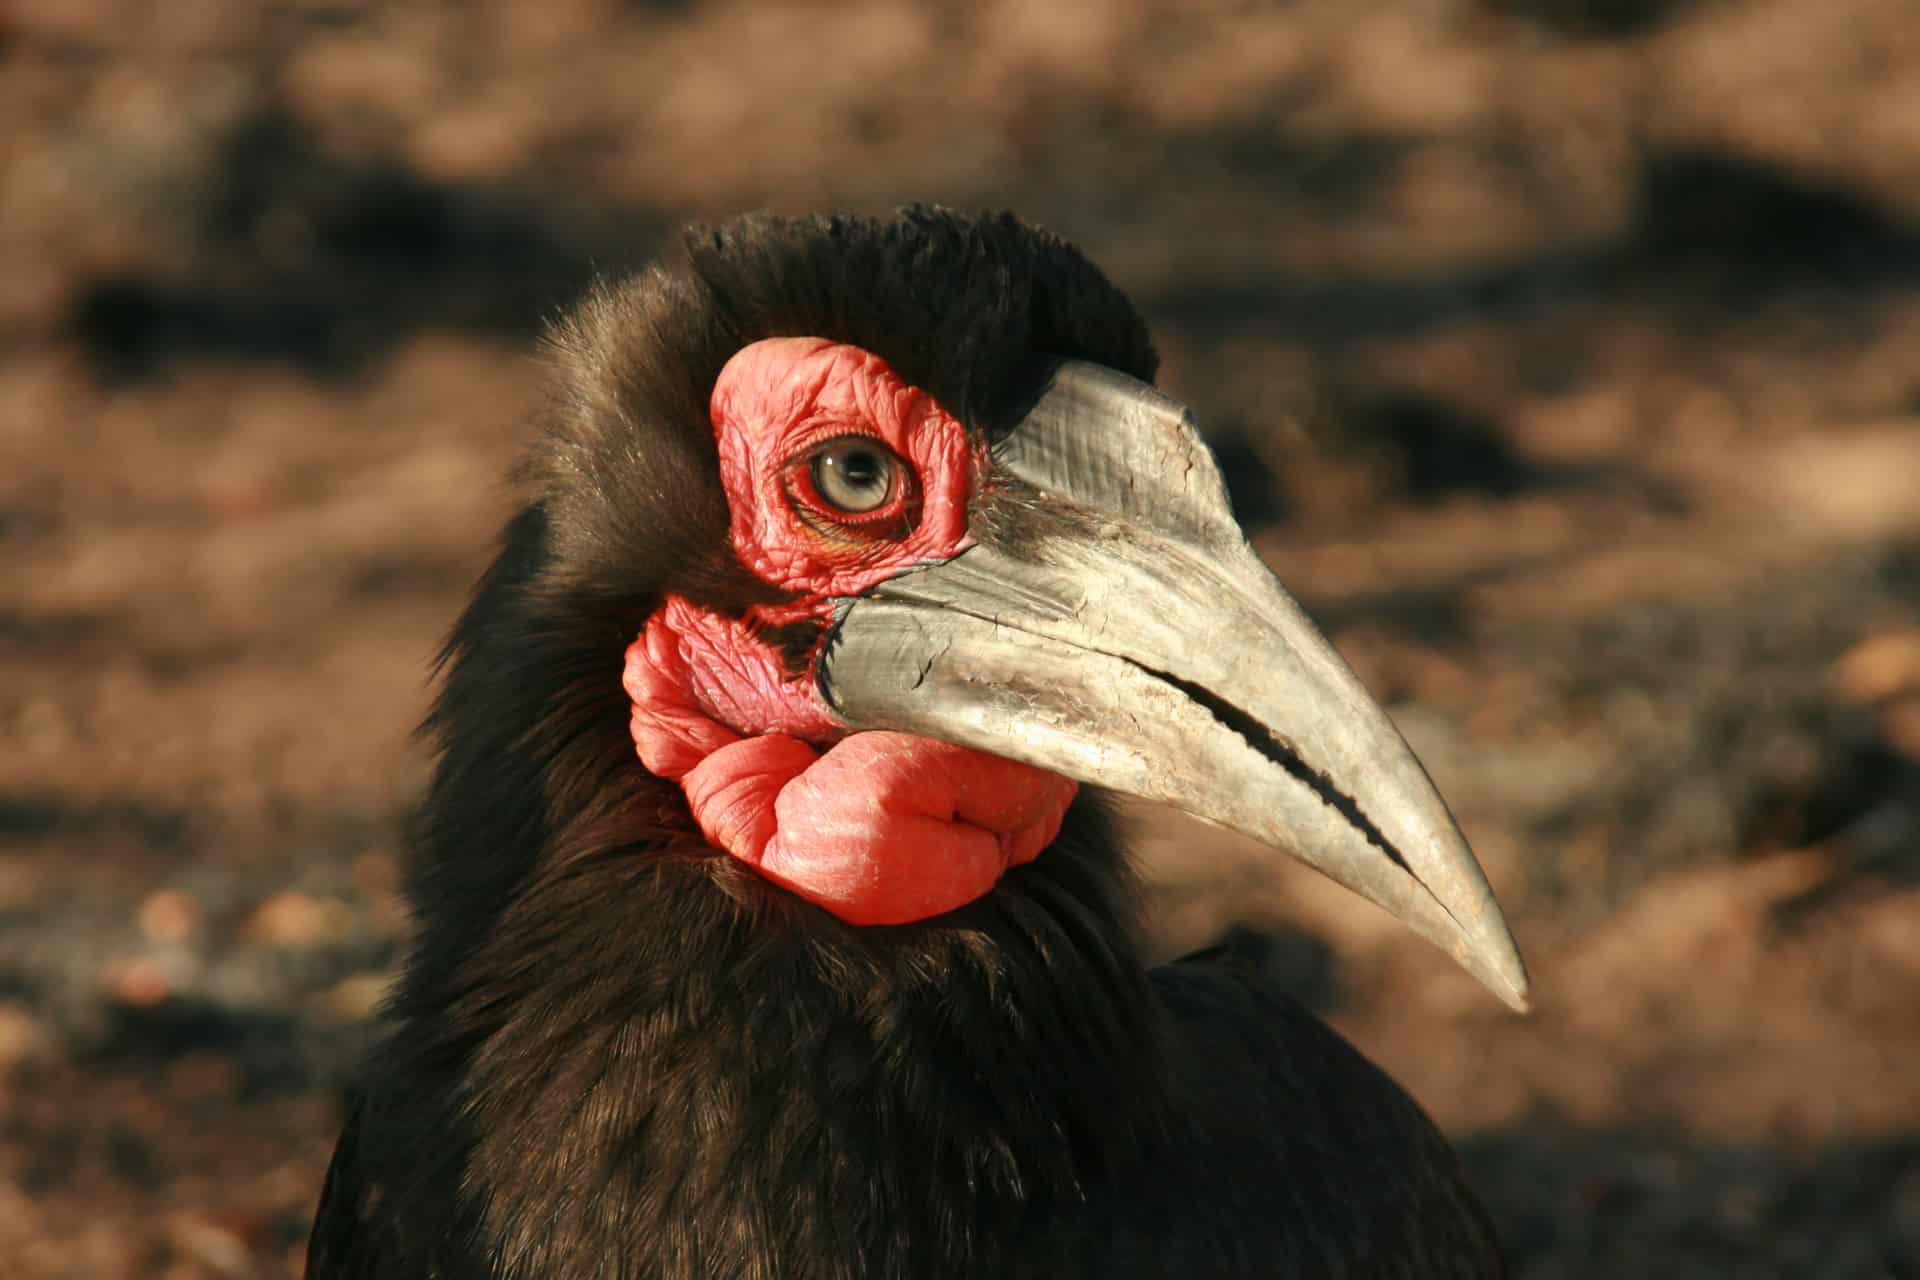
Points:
(617, 1052)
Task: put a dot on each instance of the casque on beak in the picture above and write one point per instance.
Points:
(1111, 623)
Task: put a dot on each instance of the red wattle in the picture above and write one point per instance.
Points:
(887, 828)
(879, 828)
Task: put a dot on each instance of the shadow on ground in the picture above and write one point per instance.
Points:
(328, 261)
(1644, 1203)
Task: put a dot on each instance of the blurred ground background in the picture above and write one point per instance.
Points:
(1565, 354)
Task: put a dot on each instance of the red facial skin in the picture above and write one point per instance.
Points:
(878, 828)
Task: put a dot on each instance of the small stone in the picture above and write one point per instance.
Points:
(138, 983)
(170, 915)
(1880, 667)
(22, 1036)
(299, 920)
(357, 997)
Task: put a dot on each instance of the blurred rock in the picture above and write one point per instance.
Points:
(170, 916)
(23, 1037)
(138, 983)
(1880, 668)
(298, 920)
(358, 997)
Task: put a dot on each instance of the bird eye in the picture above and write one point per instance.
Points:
(855, 474)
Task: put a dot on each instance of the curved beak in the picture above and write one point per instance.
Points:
(1110, 623)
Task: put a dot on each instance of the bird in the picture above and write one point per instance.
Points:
(772, 916)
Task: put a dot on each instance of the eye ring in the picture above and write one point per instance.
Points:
(854, 475)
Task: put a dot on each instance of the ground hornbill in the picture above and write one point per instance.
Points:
(770, 923)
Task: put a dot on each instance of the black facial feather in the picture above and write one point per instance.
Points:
(966, 305)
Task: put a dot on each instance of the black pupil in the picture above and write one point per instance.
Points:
(853, 477)
(862, 470)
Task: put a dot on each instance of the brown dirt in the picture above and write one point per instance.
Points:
(1565, 353)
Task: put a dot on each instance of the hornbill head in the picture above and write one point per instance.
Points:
(970, 560)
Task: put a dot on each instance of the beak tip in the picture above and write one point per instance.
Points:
(1517, 998)
(1496, 962)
